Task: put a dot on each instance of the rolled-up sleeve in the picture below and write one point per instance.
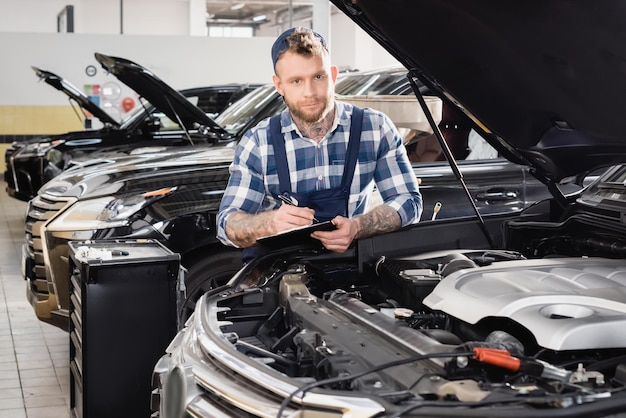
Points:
(394, 176)
(245, 190)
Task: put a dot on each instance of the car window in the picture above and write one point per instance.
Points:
(138, 112)
(240, 113)
(464, 142)
(213, 104)
(375, 84)
(141, 111)
(210, 101)
(479, 148)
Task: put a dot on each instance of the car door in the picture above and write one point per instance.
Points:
(495, 186)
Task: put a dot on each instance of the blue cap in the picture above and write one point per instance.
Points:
(281, 44)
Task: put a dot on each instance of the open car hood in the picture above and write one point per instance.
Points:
(76, 95)
(158, 93)
(543, 80)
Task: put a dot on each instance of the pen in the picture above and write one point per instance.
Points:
(291, 201)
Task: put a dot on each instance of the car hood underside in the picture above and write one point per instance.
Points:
(545, 78)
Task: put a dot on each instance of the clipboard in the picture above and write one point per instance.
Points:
(295, 235)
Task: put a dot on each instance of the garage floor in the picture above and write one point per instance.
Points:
(34, 356)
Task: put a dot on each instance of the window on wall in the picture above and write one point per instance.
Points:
(231, 31)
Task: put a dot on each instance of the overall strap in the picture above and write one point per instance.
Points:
(352, 153)
(280, 155)
(354, 143)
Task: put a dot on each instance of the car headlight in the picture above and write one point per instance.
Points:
(41, 148)
(54, 156)
(104, 212)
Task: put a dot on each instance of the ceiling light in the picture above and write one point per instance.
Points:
(237, 6)
(259, 18)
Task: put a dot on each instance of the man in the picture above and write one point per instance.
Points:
(302, 154)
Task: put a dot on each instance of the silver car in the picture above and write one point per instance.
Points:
(493, 315)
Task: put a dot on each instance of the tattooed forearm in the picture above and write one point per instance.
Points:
(243, 229)
(379, 220)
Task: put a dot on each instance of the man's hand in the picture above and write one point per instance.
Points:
(244, 229)
(288, 217)
(338, 240)
(379, 220)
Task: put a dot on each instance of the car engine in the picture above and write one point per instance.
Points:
(459, 326)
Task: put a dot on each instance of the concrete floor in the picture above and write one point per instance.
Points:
(34, 356)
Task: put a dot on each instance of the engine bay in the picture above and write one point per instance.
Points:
(456, 326)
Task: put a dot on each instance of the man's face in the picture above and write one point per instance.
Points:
(307, 85)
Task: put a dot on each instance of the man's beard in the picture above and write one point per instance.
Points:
(305, 117)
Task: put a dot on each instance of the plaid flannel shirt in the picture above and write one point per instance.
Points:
(382, 162)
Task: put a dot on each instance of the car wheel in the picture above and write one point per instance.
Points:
(206, 273)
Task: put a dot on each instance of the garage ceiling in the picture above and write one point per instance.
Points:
(256, 12)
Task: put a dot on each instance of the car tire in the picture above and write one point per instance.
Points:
(206, 273)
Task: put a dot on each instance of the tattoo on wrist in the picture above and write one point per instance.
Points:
(381, 219)
(243, 228)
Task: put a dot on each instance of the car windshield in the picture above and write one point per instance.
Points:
(145, 107)
(373, 84)
(241, 112)
(137, 113)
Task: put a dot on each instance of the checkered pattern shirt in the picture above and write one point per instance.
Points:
(382, 162)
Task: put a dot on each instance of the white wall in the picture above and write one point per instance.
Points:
(157, 35)
(344, 36)
(146, 17)
(178, 60)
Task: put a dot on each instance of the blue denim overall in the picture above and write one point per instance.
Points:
(326, 203)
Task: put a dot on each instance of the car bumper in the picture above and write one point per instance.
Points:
(40, 288)
(202, 375)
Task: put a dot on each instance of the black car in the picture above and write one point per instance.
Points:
(173, 197)
(107, 198)
(515, 314)
(165, 117)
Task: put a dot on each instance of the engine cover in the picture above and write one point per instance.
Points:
(567, 304)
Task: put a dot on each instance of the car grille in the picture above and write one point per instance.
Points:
(40, 210)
